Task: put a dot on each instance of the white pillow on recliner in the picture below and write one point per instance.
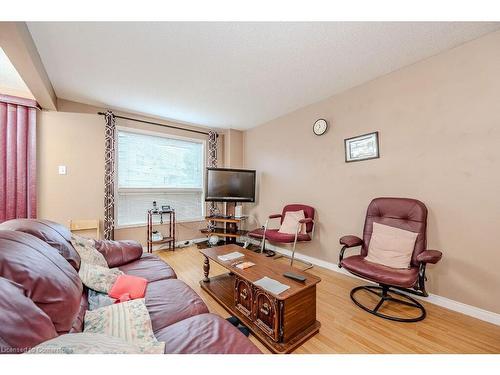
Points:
(391, 247)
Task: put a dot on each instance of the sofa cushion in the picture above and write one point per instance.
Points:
(47, 278)
(54, 234)
(205, 334)
(118, 253)
(150, 267)
(170, 301)
(21, 331)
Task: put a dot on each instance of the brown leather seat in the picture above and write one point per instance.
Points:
(150, 267)
(274, 236)
(205, 334)
(170, 301)
(378, 273)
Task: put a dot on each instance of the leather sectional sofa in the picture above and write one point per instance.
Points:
(41, 295)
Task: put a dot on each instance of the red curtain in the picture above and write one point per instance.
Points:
(17, 158)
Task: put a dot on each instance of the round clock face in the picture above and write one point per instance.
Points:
(320, 127)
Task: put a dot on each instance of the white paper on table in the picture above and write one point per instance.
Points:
(230, 256)
(271, 285)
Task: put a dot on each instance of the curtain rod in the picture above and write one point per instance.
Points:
(158, 124)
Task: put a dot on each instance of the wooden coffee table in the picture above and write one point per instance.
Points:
(282, 322)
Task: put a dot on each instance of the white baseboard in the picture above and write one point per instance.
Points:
(475, 312)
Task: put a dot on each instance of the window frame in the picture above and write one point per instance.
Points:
(118, 190)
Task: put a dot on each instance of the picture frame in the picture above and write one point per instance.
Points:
(362, 147)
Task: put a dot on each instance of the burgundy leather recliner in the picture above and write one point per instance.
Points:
(403, 213)
(41, 295)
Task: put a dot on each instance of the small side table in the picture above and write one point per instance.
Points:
(170, 239)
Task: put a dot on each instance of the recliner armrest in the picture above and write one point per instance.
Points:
(348, 241)
(118, 253)
(429, 256)
(275, 216)
(351, 241)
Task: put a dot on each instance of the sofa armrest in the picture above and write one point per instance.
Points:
(306, 220)
(429, 256)
(351, 241)
(118, 253)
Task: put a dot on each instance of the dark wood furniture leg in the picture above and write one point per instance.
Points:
(206, 270)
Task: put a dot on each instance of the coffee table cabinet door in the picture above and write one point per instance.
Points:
(243, 297)
(265, 313)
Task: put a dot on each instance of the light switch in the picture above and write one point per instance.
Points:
(62, 169)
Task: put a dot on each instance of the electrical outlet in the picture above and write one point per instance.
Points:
(62, 169)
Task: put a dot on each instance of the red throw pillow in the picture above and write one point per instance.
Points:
(128, 287)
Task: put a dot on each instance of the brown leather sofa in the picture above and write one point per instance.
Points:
(41, 295)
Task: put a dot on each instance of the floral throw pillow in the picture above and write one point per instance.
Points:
(129, 321)
(87, 251)
(99, 299)
(85, 343)
(98, 278)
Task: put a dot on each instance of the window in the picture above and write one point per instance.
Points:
(158, 168)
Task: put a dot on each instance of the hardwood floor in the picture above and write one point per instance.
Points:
(346, 328)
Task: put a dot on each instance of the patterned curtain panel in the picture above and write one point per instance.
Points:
(17, 158)
(109, 176)
(212, 162)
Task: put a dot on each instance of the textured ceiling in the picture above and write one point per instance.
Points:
(236, 75)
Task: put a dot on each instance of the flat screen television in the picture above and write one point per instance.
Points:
(229, 185)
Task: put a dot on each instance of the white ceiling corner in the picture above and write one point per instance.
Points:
(11, 82)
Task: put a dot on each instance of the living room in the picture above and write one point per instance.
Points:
(250, 187)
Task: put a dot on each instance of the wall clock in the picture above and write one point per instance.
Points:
(320, 127)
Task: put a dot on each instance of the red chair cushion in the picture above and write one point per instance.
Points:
(378, 273)
(128, 287)
(274, 236)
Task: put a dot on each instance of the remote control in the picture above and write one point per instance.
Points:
(294, 276)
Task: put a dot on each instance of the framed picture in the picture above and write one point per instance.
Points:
(362, 147)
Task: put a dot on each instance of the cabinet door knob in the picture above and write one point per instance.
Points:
(265, 309)
(243, 294)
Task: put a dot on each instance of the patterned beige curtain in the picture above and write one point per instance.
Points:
(212, 161)
(109, 176)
